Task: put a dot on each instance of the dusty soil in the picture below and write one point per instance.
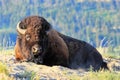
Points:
(28, 70)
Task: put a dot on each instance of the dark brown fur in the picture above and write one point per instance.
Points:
(57, 49)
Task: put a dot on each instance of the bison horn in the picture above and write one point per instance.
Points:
(20, 30)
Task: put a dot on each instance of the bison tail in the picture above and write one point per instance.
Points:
(104, 66)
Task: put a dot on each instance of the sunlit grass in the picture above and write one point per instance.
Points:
(4, 74)
(5, 77)
(7, 51)
(3, 68)
(92, 75)
(106, 52)
(101, 75)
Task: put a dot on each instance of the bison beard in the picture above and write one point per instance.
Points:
(38, 42)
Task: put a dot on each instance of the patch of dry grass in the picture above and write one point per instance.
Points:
(98, 75)
(101, 75)
(7, 52)
(3, 68)
(4, 72)
(110, 52)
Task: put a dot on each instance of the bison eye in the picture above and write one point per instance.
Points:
(27, 37)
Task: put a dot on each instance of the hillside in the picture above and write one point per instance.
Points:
(96, 22)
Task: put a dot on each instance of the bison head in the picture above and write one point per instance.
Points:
(32, 35)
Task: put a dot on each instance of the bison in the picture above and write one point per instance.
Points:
(38, 42)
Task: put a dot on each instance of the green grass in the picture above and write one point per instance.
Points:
(3, 68)
(7, 52)
(91, 75)
(101, 75)
(109, 52)
(4, 72)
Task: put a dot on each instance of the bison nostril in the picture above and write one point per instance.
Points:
(36, 50)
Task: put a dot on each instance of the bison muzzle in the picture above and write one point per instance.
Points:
(38, 42)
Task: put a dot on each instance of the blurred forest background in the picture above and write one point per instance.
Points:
(94, 21)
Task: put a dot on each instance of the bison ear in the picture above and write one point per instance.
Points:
(46, 27)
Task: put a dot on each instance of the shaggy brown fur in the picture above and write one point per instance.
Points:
(43, 45)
